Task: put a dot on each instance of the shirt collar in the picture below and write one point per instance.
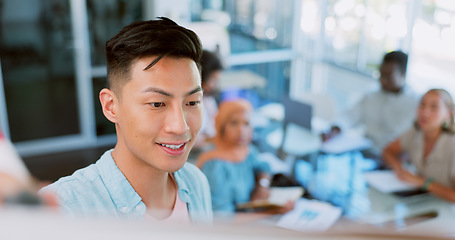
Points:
(119, 188)
(184, 192)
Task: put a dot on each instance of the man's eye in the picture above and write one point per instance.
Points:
(194, 103)
(157, 104)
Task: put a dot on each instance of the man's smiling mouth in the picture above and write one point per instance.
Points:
(171, 146)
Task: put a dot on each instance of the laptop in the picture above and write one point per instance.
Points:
(296, 112)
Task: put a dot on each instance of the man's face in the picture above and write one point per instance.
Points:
(159, 113)
(392, 79)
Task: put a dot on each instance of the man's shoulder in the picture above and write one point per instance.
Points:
(80, 180)
(83, 192)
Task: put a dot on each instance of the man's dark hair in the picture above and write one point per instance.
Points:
(210, 62)
(161, 38)
(397, 57)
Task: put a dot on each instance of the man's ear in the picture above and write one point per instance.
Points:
(108, 102)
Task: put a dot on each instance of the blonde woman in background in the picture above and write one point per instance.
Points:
(429, 146)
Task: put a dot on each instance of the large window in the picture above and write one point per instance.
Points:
(433, 51)
(358, 32)
(344, 40)
(253, 25)
(354, 34)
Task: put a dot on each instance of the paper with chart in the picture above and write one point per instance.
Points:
(310, 215)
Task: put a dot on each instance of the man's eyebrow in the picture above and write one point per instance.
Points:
(157, 90)
(197, 89)
(162, 92)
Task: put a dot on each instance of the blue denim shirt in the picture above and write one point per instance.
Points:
(102, 189)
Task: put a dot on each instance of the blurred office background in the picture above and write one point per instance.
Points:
(52, 62)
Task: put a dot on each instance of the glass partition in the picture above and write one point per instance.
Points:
(105, 19)
(260, 83)
(37, 56)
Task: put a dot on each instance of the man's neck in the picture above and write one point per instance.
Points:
(156, 188)
(394, 91)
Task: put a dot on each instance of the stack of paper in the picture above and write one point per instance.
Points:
(386, 181)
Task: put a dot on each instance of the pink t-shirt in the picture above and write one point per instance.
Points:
(179, 213)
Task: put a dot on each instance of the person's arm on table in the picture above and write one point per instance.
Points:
(391, 156)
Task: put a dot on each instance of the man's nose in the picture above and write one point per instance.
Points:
(176, 121)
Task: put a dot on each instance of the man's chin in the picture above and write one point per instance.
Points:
(174, 169)
(176, 165)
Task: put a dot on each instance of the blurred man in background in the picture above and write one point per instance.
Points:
(385, 113)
